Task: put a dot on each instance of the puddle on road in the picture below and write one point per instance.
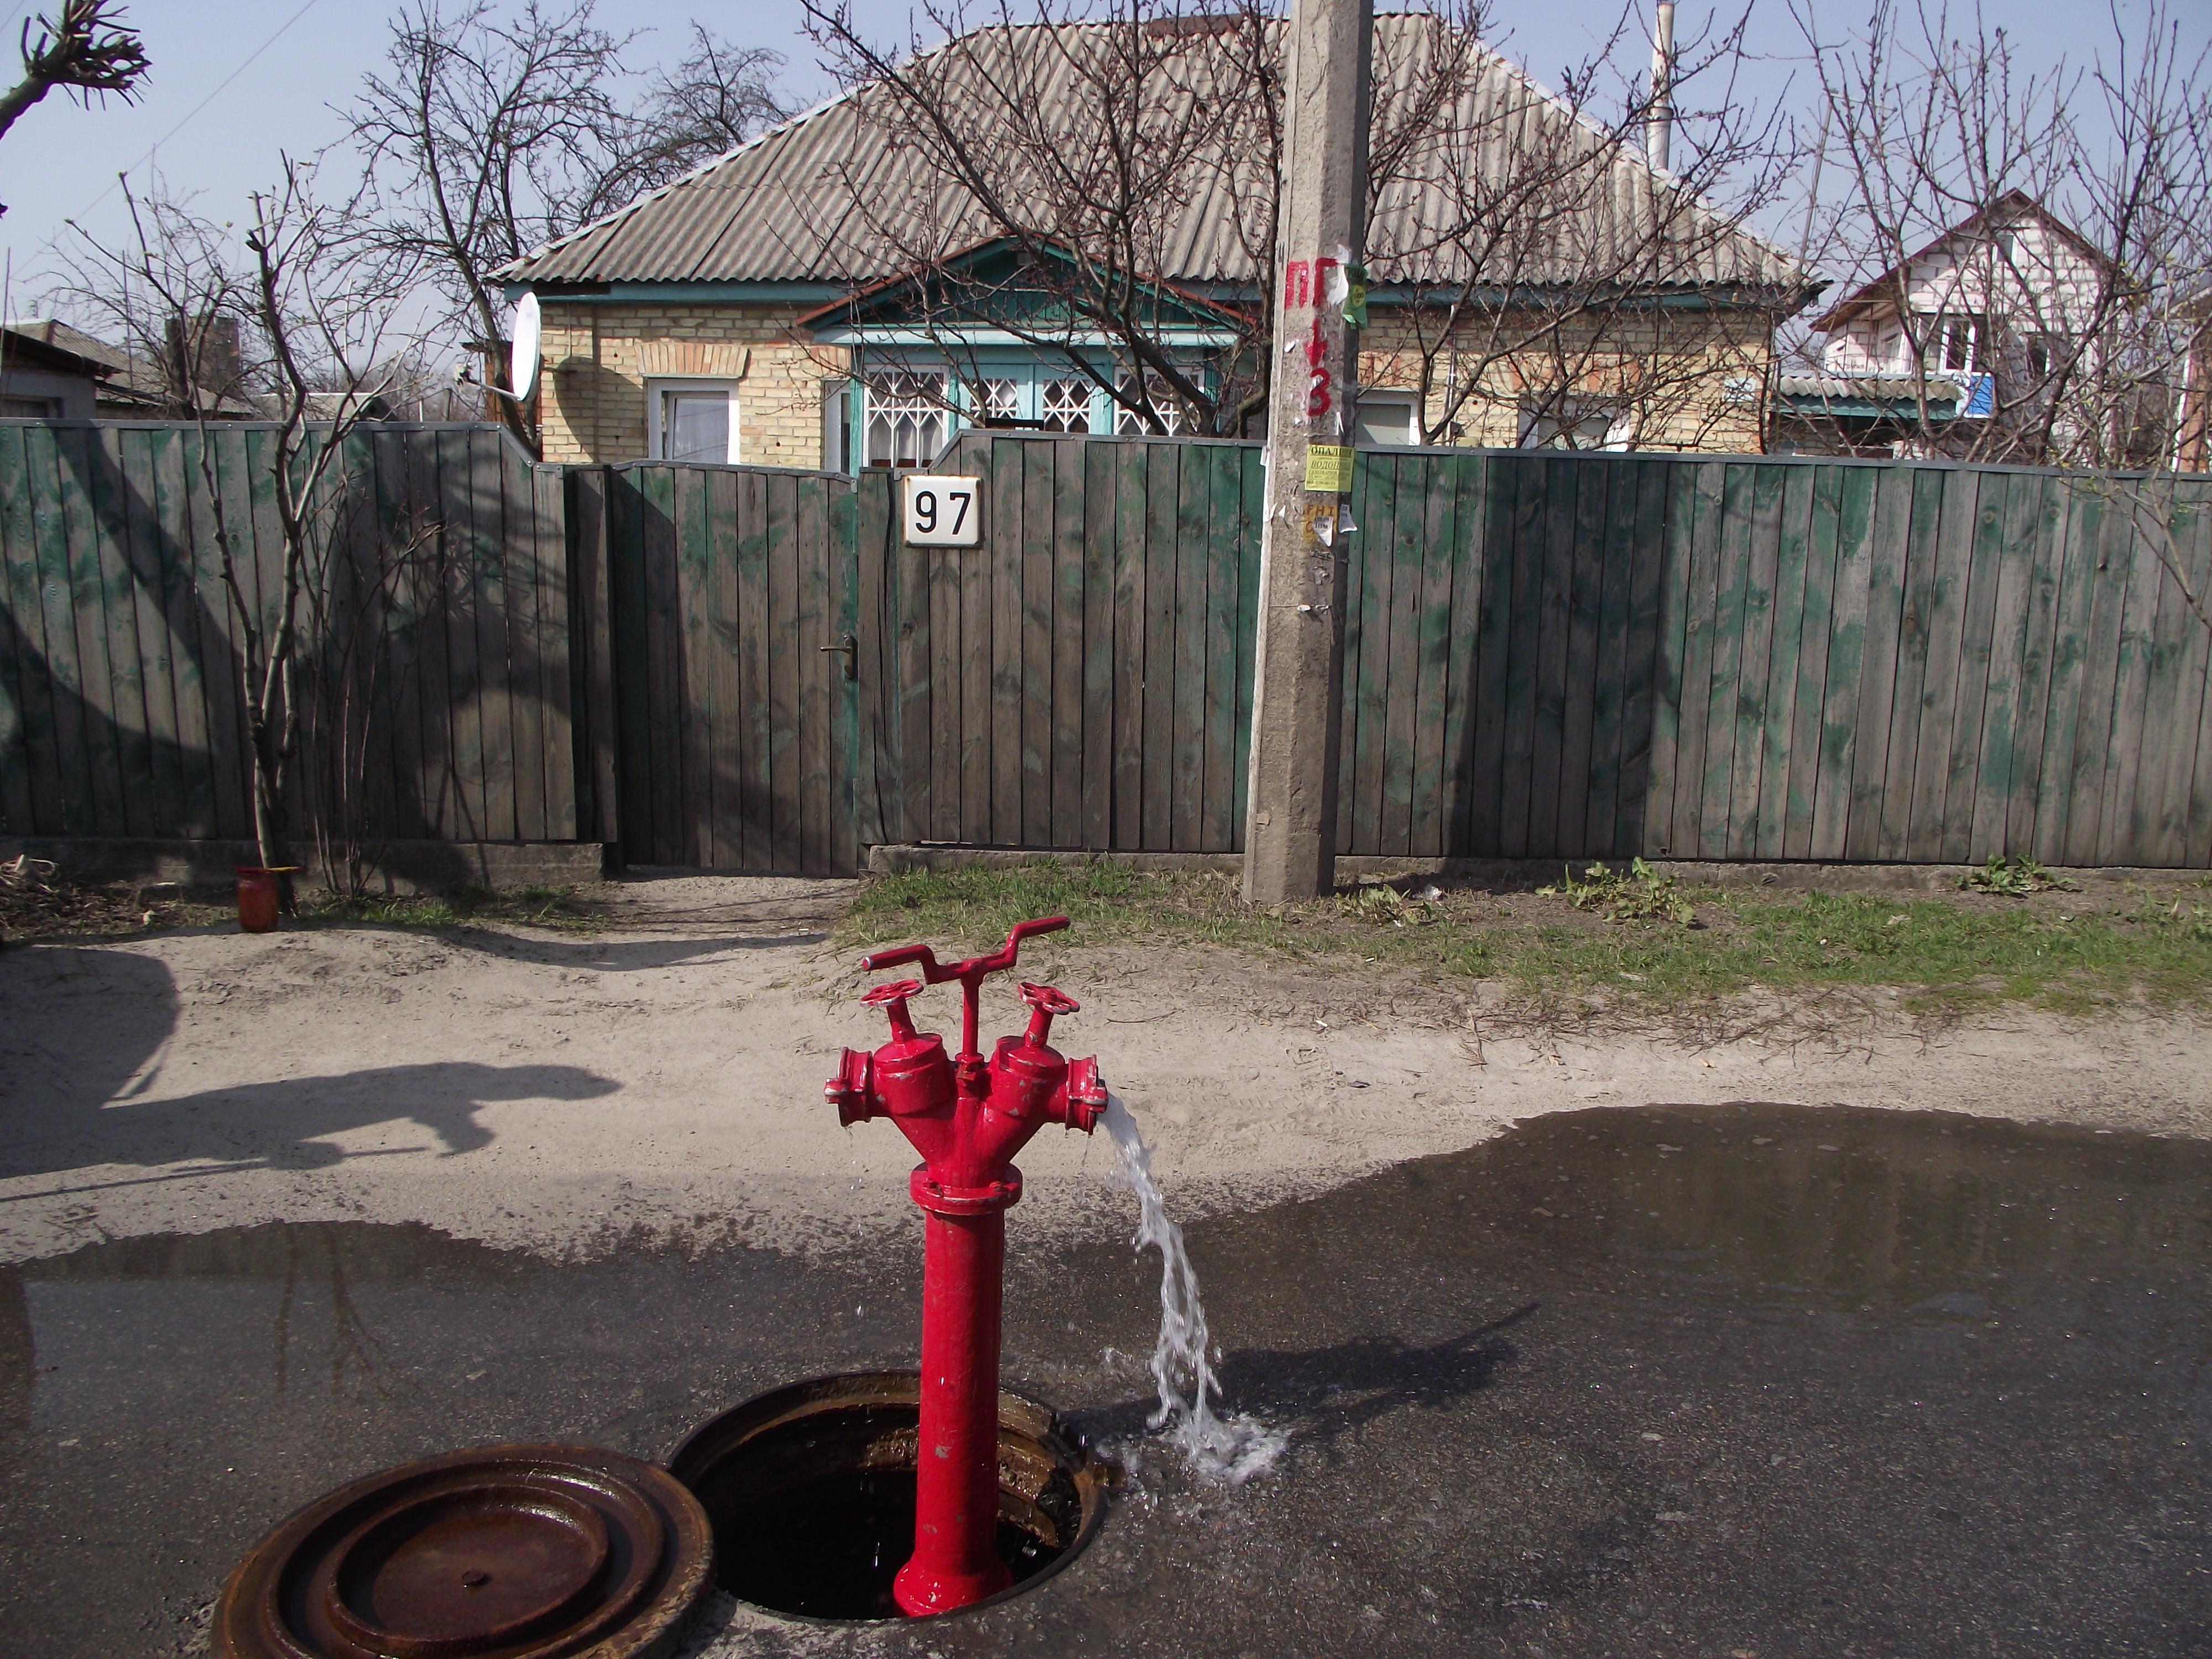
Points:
(1855, 1207)
(1654, 1380)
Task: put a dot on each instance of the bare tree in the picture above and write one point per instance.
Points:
(297, 312)
(1079, 154)
(490, 131)
(88, 50)
(484, 136)
(1541, 259)
(2074, 203)
(1125, 175)
(719, 96)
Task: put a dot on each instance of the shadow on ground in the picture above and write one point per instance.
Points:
(73, 1086)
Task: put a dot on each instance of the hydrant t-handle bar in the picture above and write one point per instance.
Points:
(934, 973)
(970, 973)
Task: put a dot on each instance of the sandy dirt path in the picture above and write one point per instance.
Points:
(661, 1083)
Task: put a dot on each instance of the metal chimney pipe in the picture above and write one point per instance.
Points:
(1659, 125)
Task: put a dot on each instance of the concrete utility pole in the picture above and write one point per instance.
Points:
(1290, 838)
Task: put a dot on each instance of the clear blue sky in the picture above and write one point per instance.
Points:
(60, 161)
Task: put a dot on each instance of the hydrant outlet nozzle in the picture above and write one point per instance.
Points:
(1086, 1094)
(849, 1091)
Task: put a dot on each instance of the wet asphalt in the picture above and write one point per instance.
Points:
(1717, 1381)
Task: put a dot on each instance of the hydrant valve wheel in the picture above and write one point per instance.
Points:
(1048, 1000)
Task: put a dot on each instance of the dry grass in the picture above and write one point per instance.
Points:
(33, 905)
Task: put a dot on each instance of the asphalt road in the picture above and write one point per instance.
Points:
(1715, 1381)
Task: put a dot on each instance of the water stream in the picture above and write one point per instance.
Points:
(1235, 1447)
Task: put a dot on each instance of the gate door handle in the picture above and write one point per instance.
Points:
(849, 648)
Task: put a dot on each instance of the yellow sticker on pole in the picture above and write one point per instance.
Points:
(1328, 469)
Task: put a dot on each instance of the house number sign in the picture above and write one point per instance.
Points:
(942, 512)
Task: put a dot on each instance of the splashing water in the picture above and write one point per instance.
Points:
(1236, 1447)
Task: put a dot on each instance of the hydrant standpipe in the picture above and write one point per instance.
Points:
(967, 1116)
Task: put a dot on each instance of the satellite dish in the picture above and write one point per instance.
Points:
(522, 356)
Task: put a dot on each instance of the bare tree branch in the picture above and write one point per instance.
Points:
(89, 51)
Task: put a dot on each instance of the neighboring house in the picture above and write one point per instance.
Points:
(1977, 326)
(131, 388)
(42, 381)
(766, 308)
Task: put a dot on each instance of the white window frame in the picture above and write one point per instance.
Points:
(657, 390)
(1015, 392)
(1127, 422)
(1395, 397)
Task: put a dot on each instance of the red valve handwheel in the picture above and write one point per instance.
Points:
(898, 991)
(1048, 999)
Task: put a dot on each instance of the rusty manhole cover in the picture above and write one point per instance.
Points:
(501, 1553)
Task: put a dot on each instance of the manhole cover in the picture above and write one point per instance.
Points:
(811, 1491)
(502, 1552)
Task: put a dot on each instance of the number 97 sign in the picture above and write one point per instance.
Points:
(942, 512)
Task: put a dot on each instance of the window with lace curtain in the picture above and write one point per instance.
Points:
(906, 422)
(1128, 420)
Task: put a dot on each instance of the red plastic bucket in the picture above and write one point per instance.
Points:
(256, 898)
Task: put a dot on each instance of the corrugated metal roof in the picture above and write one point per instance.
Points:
(833, 196)
(1815, 390)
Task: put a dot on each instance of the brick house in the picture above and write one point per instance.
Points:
(766, 309)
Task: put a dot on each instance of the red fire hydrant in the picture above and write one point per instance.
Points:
(966, 1118)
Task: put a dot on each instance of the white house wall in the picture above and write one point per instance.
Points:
(2048, 287)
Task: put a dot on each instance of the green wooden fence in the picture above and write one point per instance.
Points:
(1548, 655)
(120, 703)
(1556, 655)
(1601, 655)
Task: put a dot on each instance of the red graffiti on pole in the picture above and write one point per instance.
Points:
(1305, 283)
(1318, 380)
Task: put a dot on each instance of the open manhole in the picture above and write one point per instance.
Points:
(811, 1492)
(513, 1552)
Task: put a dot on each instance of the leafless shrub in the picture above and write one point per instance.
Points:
(297, 315)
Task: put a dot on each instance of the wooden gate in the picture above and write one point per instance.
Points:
(1083, 679)
(713, 603)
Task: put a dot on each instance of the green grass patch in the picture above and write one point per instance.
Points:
(1638, 893)
(1631, 938)
(2013, 878)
